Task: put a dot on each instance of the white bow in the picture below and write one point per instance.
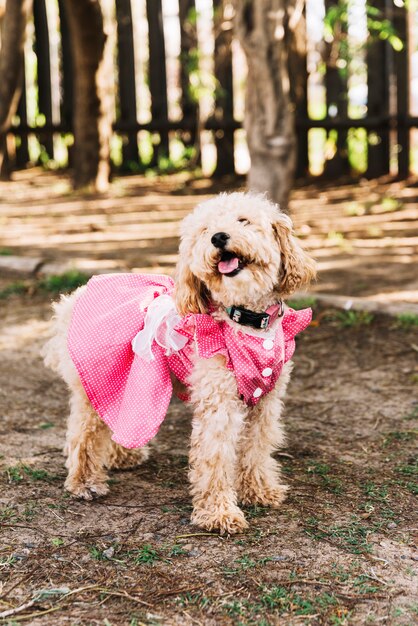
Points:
(160, 319)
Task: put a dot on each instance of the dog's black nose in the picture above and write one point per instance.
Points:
(219, 240)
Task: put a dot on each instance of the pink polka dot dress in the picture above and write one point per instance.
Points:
(129, 386)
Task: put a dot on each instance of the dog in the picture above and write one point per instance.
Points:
(220, 335)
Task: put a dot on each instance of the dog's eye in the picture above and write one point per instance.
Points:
(244, 221)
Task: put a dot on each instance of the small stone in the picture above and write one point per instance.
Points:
(147, 536)
(187, 547)
(194, 552)
(109, 552)
(279, 558)
(392, 525)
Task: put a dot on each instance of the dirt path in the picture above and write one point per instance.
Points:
(364, 236)
(340, 551)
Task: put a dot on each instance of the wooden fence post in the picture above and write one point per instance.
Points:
(127, 84)
(22, 157)
(66, 104)
(298, 71)
(378, 84)
(44, 71)
(224, 100)
(337, 106)
(157, 76)
(401, 59)
(188, 50)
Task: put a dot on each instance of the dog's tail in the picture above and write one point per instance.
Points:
(55, 351)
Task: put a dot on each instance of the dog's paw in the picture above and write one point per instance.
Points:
(85, 490)
(265, 495)
(226, 519)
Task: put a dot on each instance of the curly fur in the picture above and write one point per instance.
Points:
(231, 444)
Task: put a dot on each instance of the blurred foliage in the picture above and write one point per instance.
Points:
(336, 24)
(64, 283)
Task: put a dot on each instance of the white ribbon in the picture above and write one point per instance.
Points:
(160, 319)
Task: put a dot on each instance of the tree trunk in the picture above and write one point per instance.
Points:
(263, 28)
(13, 29)
(92, 105)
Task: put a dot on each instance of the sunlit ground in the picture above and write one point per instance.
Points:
(364, 236)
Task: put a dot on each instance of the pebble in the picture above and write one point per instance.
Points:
(147, 536)
(392, 525)
(109, 552)
(194, 552)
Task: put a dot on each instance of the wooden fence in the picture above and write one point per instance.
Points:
(387, 122)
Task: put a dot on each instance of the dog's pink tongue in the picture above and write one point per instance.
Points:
(226, 267)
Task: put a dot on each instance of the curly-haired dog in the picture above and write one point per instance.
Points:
(219, 335)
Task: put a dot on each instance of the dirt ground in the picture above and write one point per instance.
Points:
(340, 551)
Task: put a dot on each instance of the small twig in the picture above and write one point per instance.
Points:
(18, 609)
(374, 577)
(21, 618)
(57, 516)
(197, 535)
(76, 513)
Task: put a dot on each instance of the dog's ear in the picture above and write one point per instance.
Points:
(297, 267)
(190, 293)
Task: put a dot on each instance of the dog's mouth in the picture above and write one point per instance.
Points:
(230, 264)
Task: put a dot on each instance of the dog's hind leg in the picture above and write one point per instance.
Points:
(258, 477)
(87, 447)
(121, 458)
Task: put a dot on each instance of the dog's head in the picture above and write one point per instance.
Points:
(238, 249)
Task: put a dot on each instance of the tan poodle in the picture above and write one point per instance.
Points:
(219, 335)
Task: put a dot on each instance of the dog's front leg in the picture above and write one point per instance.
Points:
(258, 479)
(217, 423)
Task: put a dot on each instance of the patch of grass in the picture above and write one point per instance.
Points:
(57, 541)
(375, 492)
(283, 600)
(396, 436)
(176, 550)
(352, 536)
(18, 472)
(30, 510)
(8, 514)
(17, 288)
(6, 252)
(407, 320)
(46, 425)
(255, 510)
(353, 319)
(413, 415)
(330, 483)
(97, 553)
(408, 469)
(244, 563)
(303, 303)
(363, 584)
(7, 561)
(197, 600)
(61, 283)
(147, 554)
(412, 488)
